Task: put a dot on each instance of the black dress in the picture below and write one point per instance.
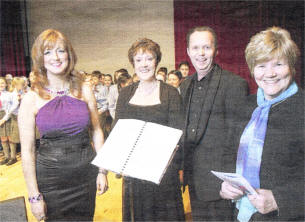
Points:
(142, 200)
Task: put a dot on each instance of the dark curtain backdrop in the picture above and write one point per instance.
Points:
(13, 45)
(235, 22)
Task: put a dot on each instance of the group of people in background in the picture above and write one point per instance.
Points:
(257, 136)
(174, 77)
(12, 90)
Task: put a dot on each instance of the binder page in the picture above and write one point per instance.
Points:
(116, 148)
(153, 152)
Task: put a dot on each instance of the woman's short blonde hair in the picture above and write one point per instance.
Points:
(146, 45)
(271, 43)
(47, 40)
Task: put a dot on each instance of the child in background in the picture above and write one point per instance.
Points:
(7, 105)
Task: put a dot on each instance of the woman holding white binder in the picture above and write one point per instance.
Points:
(152, 101)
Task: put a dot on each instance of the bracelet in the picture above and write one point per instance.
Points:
(36, 198)
(102, 171)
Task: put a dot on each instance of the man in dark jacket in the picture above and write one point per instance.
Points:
(210, 97)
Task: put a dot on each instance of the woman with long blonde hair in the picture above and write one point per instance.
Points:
(61, 181)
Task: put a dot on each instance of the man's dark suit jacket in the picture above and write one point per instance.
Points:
(282, 165)
(224, 94)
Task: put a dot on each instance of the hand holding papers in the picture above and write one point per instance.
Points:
(236, 180)
(138, 149)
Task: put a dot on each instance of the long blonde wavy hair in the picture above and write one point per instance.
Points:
(47, 40)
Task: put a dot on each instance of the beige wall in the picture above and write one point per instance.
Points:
(102, 31)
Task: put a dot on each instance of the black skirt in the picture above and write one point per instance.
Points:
(144, 201)
(65, 176)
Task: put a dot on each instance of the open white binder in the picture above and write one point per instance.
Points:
(138, 149)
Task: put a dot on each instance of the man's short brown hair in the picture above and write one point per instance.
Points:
(201, 29)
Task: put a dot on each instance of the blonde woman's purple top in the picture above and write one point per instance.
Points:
(63, 114)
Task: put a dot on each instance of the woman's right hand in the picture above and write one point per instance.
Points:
(229, 192)
(39, 210)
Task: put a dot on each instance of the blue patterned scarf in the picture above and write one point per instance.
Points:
(251, 147)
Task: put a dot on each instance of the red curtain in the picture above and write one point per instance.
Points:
(12, 48)
(235, 22)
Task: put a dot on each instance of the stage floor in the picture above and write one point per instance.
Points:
(108, 205)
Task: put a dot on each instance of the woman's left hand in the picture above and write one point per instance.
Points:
(264, 202)
(101, 183)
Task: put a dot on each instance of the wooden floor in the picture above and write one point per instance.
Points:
(108, 206)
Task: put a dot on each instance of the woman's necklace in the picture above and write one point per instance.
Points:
(147, 90)
(62, 92)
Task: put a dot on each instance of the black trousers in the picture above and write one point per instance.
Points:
(218, 210)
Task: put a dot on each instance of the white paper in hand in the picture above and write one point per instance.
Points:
(236, 180)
